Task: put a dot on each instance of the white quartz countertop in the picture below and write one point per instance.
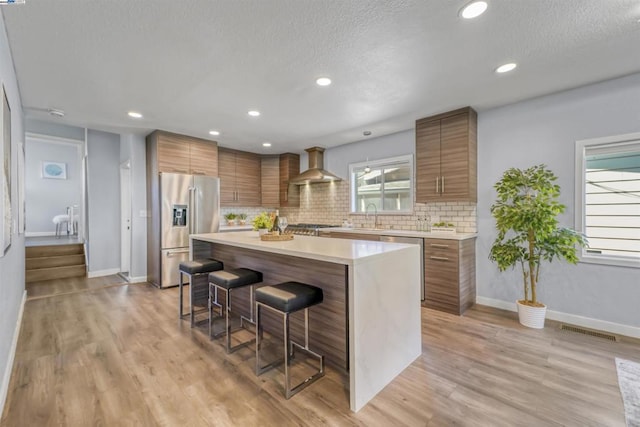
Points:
(402, 233)
(340, 251)
(235, 227)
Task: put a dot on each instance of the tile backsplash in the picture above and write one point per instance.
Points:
(328, 203)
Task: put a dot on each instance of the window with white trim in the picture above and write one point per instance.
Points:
(608, 199)
(386, 183)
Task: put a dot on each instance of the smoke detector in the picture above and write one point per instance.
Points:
(55, 112)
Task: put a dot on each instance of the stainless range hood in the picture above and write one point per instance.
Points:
(315, 173)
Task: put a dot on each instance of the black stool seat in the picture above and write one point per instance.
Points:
(199, 266)
(289, 296)
(235, 278)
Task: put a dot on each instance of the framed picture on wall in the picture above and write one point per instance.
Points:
(54, 170)
(6, 173)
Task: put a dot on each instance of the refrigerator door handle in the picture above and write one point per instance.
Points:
(192, 210)
(173, 253)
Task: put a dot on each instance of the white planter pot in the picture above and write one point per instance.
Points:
(531, 317)
(262, 231)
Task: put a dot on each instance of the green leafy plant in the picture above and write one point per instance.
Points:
(443, 224)
(526, 212)
(262, 221)
(230, 216)
(242, 216)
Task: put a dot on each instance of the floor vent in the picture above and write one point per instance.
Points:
(589, 332)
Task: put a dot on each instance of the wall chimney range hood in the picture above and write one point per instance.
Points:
(315, 173)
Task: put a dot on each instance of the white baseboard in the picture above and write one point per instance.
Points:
(39, 233)
(140, 279)
(100, 273)
(4, 386)
(572, 319)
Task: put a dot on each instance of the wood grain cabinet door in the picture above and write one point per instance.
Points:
(441, 276)
(227, 173)
(454, 158)
(173, 154)
(270, 181)
(427, 161)
(289, 167)
(203, 158)
(446, 157)
(248, 173)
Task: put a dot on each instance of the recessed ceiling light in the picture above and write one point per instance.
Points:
(253, 113)
(266, 144)
(134, 115)
(214, 132)
(366, 133)
(473, 9)
(506, 67)
(323, 81)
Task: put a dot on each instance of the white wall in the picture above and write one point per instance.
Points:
(12, 263)
(544, 130)
(133, 148)
(103, 183)
(337, 159)
(46, 198)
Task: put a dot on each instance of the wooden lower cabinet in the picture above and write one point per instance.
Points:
(450, 274)
(352, 236)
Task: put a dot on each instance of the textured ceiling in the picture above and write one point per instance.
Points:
(191, 66)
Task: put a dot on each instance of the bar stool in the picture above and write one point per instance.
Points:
(228, 280)
(193, 269)
(286, 298)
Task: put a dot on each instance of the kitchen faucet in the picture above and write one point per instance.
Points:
(375, 214)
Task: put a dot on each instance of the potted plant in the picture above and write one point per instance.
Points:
(231, 218)
(242, 218)
(262, 223)
(526, 212)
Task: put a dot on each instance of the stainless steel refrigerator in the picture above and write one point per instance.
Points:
(188, 204)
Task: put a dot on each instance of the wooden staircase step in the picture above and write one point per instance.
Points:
(54, 261)
(54, 250)
(55, 273)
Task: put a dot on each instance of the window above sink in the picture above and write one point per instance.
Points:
(385, 183)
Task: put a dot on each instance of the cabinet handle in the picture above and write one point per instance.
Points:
(286, 195)
(437, 182)
(195, 172)
(179, 170)
(439, 246)
(442, 184)
(439, 258)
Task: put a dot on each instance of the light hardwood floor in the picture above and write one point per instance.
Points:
(119, 356)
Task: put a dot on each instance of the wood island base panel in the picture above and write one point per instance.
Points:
(369, 323)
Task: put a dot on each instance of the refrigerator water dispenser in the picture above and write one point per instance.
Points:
(179, 215)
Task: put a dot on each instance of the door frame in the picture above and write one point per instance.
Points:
(81, 151)
(126, 218)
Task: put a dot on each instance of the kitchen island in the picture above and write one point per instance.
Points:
(368, 326)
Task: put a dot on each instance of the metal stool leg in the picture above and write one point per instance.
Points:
(180, 310)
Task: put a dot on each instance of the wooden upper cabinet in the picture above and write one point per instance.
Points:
(184, 154)
(204, 158)
(270, 181)
(446, 157)
(227, 173)
(248, 179)
(173, 154)
(240, 174)
(289, 193)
